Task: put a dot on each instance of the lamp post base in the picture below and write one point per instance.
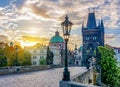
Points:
(66, 76)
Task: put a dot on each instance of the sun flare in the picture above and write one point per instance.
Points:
(28, 43)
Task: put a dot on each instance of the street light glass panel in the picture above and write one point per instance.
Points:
(66, 36)
(66, 26)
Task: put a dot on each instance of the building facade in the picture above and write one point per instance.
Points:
(57, 55)
(57, 45)
(38, 53)
(117, 53)
(92, 36)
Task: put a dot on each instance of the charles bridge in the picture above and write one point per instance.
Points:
(80, 77)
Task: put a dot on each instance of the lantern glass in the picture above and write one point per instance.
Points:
(66, 26)
(66, 36)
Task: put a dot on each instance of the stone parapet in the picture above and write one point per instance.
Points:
(74, 84)
(22, 69)
(85, 79)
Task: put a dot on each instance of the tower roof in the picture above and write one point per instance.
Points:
(91, 22)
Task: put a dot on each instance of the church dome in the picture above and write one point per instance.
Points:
(56, 38)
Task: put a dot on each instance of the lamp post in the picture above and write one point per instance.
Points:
(66, 26)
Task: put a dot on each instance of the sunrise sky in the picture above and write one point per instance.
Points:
(41, 18)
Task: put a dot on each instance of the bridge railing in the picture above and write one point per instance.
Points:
(22, 69)
(85, 79)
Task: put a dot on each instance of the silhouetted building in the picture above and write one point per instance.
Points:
(93, 36)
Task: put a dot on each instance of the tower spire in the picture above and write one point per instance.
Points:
(99, 23)
(102, 25)
(91, 22)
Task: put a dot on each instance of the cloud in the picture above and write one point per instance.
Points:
(110, 36)
(3, 38)
(44, 17)
(1, 15)
(40, 11)
(34, 39)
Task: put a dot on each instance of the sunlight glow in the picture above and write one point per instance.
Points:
(28, 43)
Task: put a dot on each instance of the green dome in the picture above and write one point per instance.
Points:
(56, 38)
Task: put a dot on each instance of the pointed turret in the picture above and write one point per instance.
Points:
(99, 24)
(82, 26)
(102, 25)
(91, 22)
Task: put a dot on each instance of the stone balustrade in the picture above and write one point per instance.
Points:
(22, 69)
(85, 79)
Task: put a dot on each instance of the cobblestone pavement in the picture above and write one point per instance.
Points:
(46, 78)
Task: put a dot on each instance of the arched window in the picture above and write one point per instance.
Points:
(95, 38)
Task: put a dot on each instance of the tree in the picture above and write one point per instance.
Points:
(109, 68)
(50, 55)
(3, 59)
(10, 54)
(42, 61)
(27, 57)
(17, 56)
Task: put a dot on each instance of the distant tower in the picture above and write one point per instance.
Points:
(92, 36)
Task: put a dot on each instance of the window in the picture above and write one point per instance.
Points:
(94, 38)
(41, 51)
(87, 38)
(34, 63)
(34, 51)
(41, 56)
(60, 45)
(34, 57)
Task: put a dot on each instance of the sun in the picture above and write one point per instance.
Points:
(28, 43)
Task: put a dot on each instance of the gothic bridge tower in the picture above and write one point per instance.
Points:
(92, 36)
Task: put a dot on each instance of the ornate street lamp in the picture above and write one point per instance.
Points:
(66, 26)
